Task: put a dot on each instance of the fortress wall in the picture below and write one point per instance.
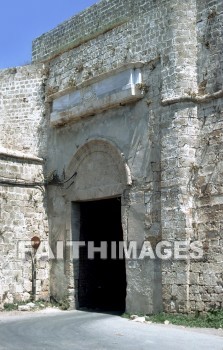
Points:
(165, 36)
(22, 191)
(158, 35)
(22, 122)
(210, 46)
(170, 138)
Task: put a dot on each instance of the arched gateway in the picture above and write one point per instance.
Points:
(98, 170)
(98, 177)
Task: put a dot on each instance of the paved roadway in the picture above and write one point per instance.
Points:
(81, 330)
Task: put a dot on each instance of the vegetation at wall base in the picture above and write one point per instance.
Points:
(10, 306)
(211, 319)
(38, 304)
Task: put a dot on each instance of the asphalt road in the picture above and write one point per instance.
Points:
(86, 330)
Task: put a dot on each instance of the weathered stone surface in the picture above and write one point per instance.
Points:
(24, 308)
(22, 193)
(161, 153)
(118, 89)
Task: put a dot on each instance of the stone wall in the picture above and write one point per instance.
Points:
(209, 38)
(191, 168)
(22, 191)
(168, 38)
(206, 183)
(169, 136)
(134, 132)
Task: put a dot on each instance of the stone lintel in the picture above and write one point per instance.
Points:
(117, 90)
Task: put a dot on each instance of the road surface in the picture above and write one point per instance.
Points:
(81, 330)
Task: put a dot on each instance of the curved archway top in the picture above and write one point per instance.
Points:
(100, 171)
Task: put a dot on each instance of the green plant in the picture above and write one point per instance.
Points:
(215, 318)
(10, 306)
(211, 319)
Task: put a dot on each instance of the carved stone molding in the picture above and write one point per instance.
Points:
(109, 92)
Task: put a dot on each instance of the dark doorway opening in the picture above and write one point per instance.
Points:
(101, 282)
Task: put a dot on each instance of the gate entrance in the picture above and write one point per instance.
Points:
(101, 282)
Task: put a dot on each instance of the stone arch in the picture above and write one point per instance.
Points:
(97, 170)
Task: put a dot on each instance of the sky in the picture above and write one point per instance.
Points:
(21, 21)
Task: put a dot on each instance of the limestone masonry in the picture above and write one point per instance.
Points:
(117, 125)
